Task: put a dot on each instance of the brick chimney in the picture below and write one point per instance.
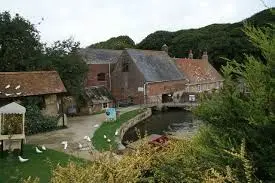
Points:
(204, 56)
(165, 48)
(190, 56)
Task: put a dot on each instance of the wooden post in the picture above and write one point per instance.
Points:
(22, 145)
(2, 148)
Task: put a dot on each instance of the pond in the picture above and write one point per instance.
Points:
(172, 120)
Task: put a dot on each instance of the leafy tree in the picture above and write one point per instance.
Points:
(20, 46)
(115, 43)
(63, 57)
(244, 109)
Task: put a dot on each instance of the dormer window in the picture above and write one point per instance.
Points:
(125, 67)
(101, 77)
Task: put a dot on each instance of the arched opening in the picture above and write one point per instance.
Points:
(101, 77)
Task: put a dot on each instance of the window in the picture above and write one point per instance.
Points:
(105, 105)
(125, 67)
(101, 77)
(199, 88)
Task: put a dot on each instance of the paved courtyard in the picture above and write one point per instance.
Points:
(78, 127)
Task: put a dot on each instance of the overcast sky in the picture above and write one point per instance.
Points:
(91, 21)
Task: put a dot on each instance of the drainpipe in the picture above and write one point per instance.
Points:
(110, 82)
(144, 92)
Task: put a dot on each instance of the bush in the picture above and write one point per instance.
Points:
(36, 122)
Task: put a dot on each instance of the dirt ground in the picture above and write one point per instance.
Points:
(78, 127)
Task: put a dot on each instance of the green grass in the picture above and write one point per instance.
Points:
(39, 165)
(109, 129)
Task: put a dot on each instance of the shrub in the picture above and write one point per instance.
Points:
(36, 122)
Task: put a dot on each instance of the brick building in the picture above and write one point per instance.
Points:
(101, 63)
(14, 86)
(201, 75)
(145, 76)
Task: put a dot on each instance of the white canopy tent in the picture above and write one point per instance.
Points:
(9, 109)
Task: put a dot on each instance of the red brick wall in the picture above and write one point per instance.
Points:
(94, 70)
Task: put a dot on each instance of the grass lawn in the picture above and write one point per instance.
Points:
(39, 165)
(109, 129)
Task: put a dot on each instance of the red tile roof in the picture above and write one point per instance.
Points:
(16, 84)
(198, 70)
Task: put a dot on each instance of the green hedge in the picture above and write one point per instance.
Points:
(35, 122)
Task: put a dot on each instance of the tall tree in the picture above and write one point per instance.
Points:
(20, 46)
(63, 56)
(244, 109)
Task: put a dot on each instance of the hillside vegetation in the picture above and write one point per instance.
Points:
(220, 40)
(115, 43)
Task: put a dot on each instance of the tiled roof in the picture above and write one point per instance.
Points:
(198, 70)
(16, 84)
(98, 94)
(99, 56)
(155, 65)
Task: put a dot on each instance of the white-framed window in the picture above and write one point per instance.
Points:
(105, 105)
(199, 87)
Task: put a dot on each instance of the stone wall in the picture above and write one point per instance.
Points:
(132, 122)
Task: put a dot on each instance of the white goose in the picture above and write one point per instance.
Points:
(37, 150)
(43, 148)
(22, 160)
(65, 143)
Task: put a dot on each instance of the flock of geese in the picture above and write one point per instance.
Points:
(65, 144)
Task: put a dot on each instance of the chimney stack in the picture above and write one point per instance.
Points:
(204, 56)
(190, 56)
(165, 48)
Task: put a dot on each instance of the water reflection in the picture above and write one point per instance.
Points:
(161, 122)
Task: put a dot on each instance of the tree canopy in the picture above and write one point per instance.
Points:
(22, 50)
(115, 43)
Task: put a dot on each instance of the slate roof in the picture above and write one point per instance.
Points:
(30, 83)
(100, 56)
(198, 70)
(98, 95)
(155, 65)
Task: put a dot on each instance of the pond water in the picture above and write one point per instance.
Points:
(173, 120)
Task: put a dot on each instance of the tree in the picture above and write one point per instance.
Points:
(234, 114)
(20, 46)
(115, 43)
(63, 57)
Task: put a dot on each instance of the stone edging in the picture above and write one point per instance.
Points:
(130, 123)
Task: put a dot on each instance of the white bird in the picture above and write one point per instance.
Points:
(87, 138)
(22, 160)
(7, 94)
(17, 87)
(19, 93)
(7, 86)
(37, 150)
(43, 148)
(80, 146)
(104, 136)
(97, 125)
(65, 143)
(108, 140)
(116, 133)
